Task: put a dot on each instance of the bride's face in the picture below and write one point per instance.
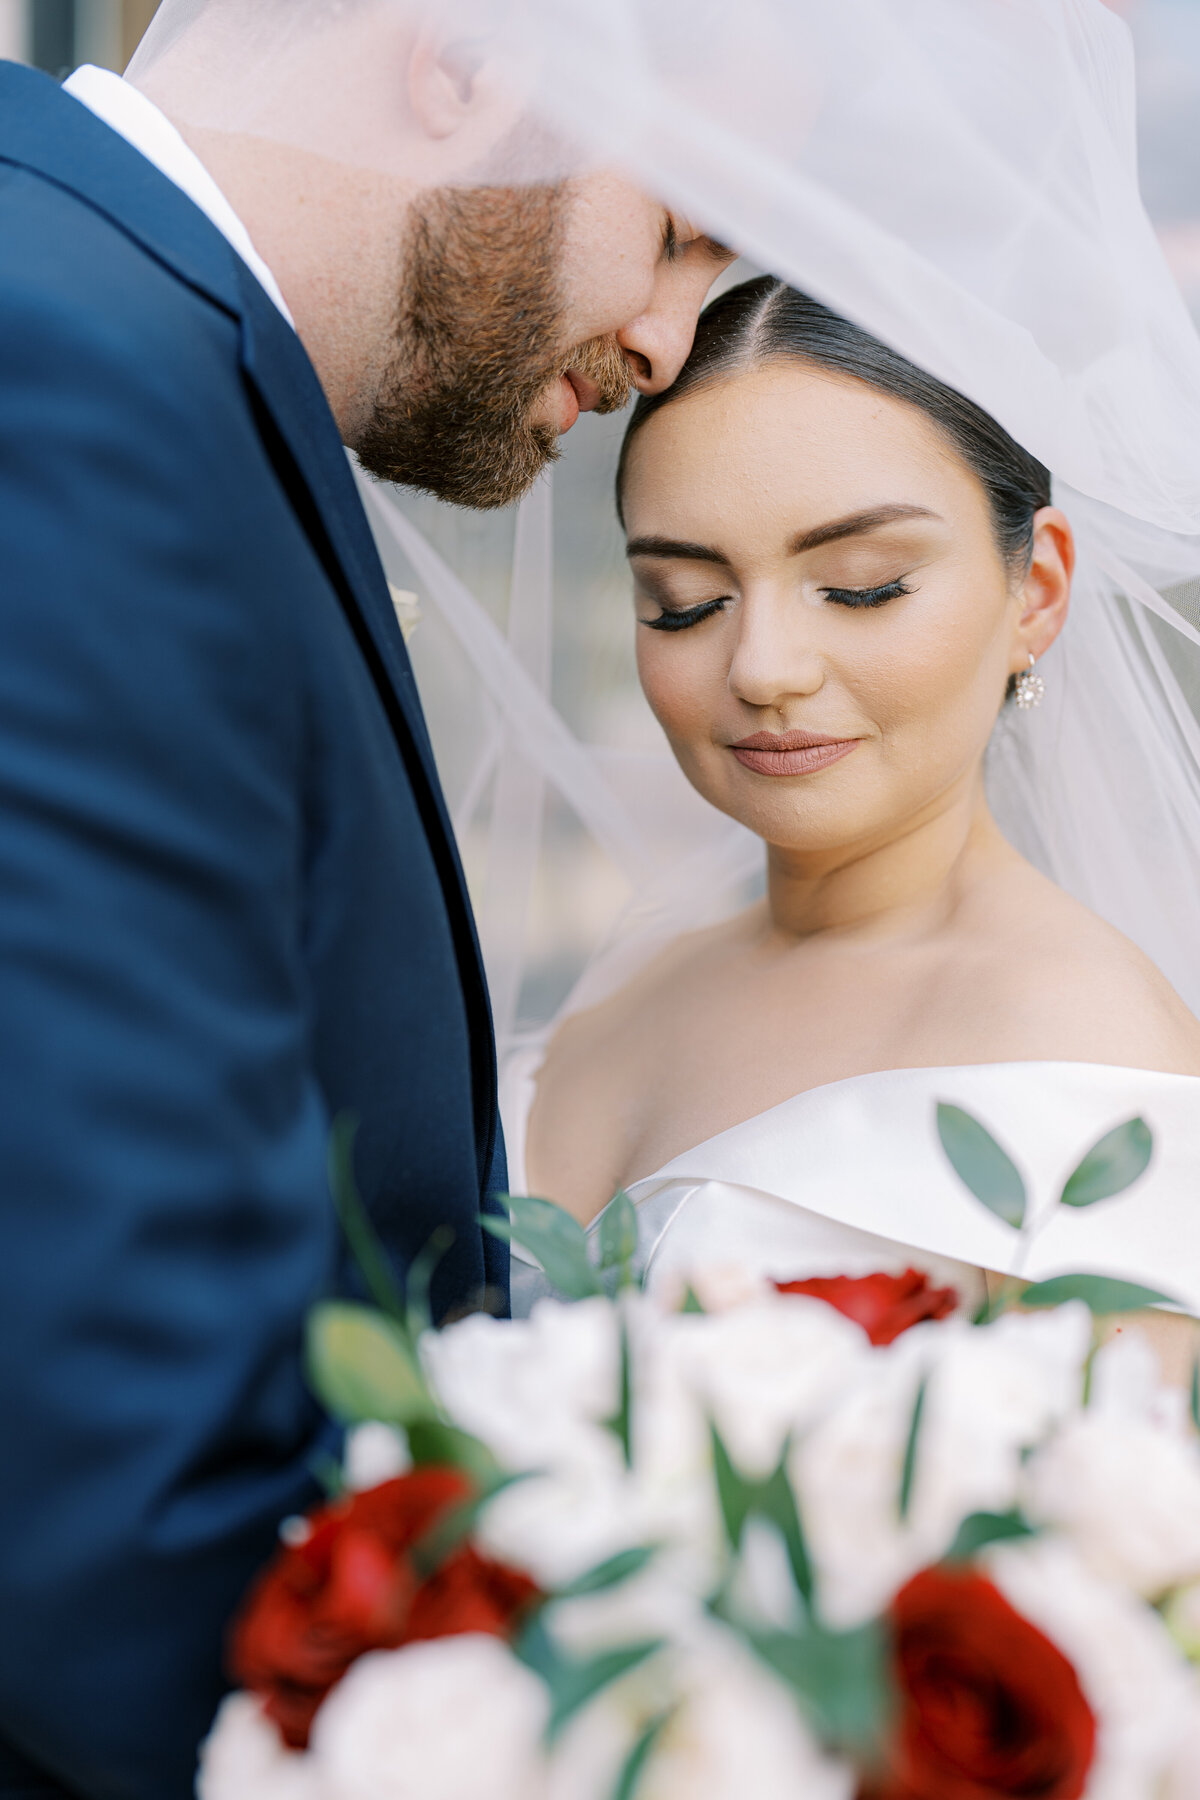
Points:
(814, 563)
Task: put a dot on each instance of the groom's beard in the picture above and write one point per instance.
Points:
(480, 344)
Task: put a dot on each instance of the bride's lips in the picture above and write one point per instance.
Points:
(791, 752)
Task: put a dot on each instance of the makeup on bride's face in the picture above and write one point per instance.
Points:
(825, 622)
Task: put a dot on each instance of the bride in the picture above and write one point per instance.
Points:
(844, 573)
(852, 585)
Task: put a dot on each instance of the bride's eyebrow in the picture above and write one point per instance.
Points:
(675, 550)
(854, 524)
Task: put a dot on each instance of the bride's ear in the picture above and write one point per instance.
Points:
(1045, 592)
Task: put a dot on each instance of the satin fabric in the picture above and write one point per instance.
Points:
(852, 1177)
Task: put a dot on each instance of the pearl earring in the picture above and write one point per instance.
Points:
(1030, 689)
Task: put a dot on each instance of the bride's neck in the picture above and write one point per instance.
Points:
(901, 885)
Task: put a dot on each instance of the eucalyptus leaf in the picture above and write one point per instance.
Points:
(621, 1422)
(978, 1160)
(365, 1244)
(908, 1470)
(451, 1529)
(1111, 1165)
(773, 1500)
(361, 1365)
(420, 1277)
(610, 1573)
(432, 1441)
(634, 1766)
(572, 1680)
(1101, 1293)
(617, 1233)
(983, 1528)
(841, 1680)
(557, 1240)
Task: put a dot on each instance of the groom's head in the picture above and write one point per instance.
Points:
(464, 282)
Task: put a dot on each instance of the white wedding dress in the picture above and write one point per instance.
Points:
(851, 1178)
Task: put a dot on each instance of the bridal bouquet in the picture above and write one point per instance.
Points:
(820, 1540)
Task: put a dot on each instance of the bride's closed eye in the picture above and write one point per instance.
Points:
(679, 618)
(876, 596)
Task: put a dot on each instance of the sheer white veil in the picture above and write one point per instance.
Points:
(960, 178)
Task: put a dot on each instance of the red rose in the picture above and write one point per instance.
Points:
(988, 1705)
(352, 1586)
(884, 1305)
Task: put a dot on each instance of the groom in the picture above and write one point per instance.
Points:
(230, 904)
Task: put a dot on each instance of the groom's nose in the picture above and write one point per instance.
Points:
(656, 343)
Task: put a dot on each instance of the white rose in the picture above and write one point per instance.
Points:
(758, 1372)
(1132, 1676)
(374, 1453)
(1183, 1775)
(457, 1718)
(535, 1390)
(558, 1526)
(990, 1392)
(244, 1758)
(735, 1732)
(1127, 1493)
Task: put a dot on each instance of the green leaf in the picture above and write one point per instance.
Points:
(978, 1160)
(454, 1527)
(621, 1567)
(776, 1502)
(841, 1680)
(1194, 1397)
(420, 1277)
(772, 1500)
(735, 1495)
(430, 1440)
(909, 1469)
(361, 1365)
(984, 1528)
(621, 1423)
(1111, 1165)
(691, 1301)
(327, 1471)
(617, 1233)
(557, 1240)
(365, 1245)
(573, 1681)
(634, 1765)
(1100, 1292)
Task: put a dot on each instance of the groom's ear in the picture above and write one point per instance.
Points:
(444, 80)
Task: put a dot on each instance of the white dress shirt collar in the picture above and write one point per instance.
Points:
(139, 121)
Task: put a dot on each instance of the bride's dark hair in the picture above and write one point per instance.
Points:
(764, 321)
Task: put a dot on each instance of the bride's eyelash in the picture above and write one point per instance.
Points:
(680, 619)
(877, 596)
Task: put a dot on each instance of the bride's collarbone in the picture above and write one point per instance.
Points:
(706, 1041)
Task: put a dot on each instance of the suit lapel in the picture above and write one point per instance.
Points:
(286, 383)
(328, 504)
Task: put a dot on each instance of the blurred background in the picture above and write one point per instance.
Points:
(577, 891)
(57, 35)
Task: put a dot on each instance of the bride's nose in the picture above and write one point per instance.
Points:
(768, 663)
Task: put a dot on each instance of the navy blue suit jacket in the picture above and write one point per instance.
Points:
(230, 908)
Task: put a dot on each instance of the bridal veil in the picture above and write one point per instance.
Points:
(959, 177)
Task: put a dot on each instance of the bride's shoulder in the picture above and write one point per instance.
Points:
(1061, 979)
